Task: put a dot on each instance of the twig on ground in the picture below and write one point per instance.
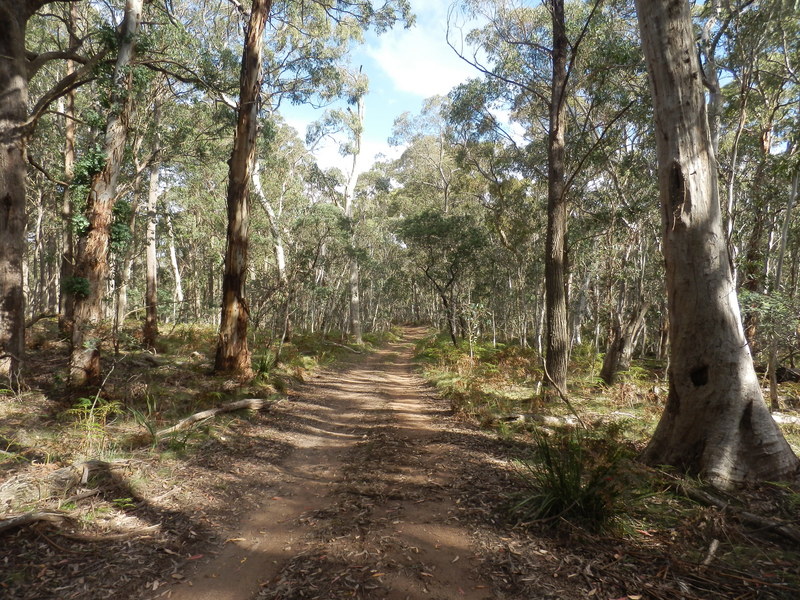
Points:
(563, 395)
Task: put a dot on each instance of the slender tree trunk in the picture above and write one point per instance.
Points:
(233, 355)
(620, 350)
(349, 203)
(150, 329)
(715, 423)
(92, 261)
(277, 243)
(777, 287)
(65, 300)
(557, 357)
(177, 295)
(13, 113)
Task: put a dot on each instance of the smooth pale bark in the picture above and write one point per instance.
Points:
(349, 205)
(177, 295)
(150, 329)
(557, 355)
(233, 355)
(92, 255)
(715, 423)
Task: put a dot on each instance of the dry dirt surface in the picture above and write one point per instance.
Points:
(361, 484)
(361, 505)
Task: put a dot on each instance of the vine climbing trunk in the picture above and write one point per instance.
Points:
(715, 423)
(233, 355)
(92, 252)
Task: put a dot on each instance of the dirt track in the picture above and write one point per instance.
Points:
(362, 508)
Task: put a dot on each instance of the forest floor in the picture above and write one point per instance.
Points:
(360, 483)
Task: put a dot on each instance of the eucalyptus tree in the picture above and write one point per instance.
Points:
(532, 57)
(92, 267)
(715, 423)
(427, 168)
(445, 248)
(286, 75)
(18, 116)
(233, 354)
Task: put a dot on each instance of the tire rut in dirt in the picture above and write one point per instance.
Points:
(352, 549)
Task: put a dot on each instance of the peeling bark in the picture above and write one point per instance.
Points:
(716, 423)
(92, 256)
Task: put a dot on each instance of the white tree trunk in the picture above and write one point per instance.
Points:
(716, 423)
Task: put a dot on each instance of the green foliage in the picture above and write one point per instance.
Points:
(121, 234)
(146, 418)
(77, 286)
(92, 415)
(778, 314)
(80, 224)
(568, 478)
(124, 503)
(89, 165)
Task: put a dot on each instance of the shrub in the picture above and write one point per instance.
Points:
(572, 476)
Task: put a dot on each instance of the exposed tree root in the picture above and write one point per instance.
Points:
(763, 523)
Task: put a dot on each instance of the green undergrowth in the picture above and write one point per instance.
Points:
(590, 480)
(144, 392)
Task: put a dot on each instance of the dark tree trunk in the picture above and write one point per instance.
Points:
(13, 114)
(715, 423)
(233, 355)
(555, 246)
(620, 350)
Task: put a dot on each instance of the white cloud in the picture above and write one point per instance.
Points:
(418, 60)
(328, 155)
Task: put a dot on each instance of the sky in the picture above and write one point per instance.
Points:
(404, 66)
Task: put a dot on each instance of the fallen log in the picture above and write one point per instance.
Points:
(249, 403)
(31, 518)
(26, 487)
(353, 350)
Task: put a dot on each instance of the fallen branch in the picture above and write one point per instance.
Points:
(114, 537)
(546, 420)
(249, 403)
(33, 320)
(25, 488)
(343, 346)
(749, 518)
(31, 518)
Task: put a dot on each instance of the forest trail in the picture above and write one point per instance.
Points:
(362, 508)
